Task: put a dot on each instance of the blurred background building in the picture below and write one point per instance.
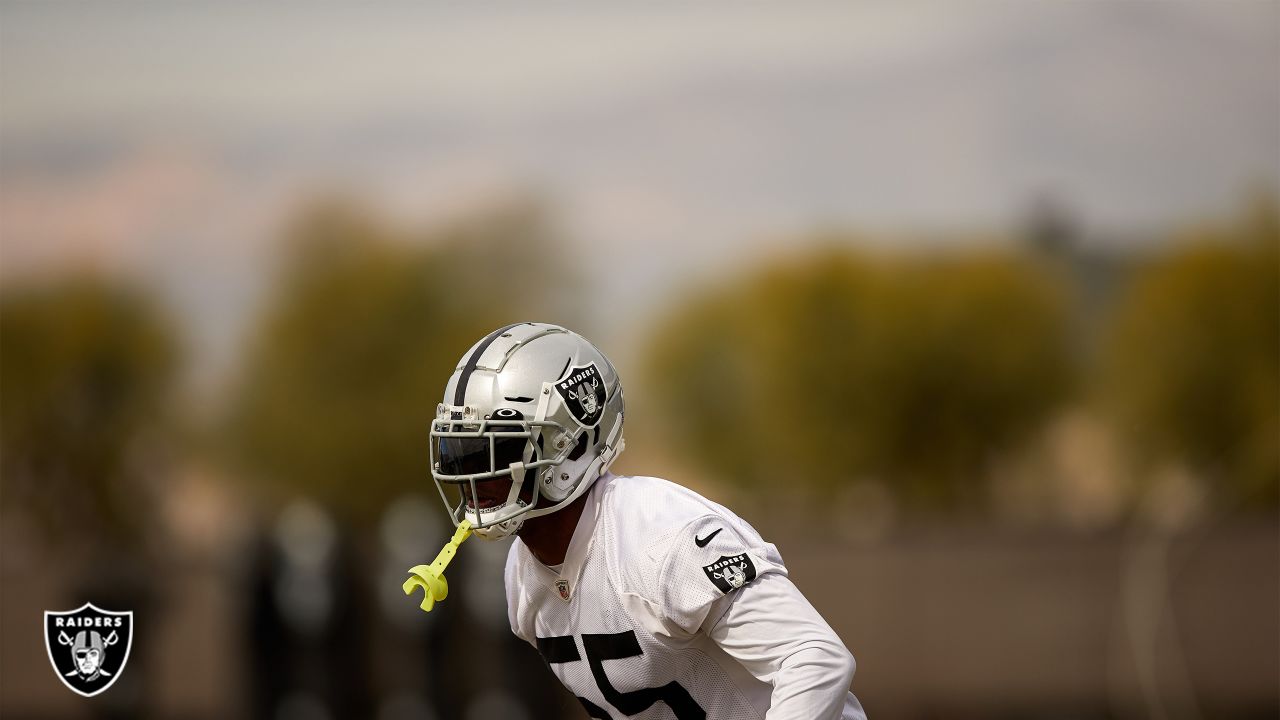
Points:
(972, 308)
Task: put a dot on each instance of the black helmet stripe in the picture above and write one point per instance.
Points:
(460, 392)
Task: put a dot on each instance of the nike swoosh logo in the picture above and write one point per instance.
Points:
(702, 542)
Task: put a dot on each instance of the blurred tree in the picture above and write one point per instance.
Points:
(837, 367)
(342, 377)
(968, 355)
(1192, 368)
(86, 369)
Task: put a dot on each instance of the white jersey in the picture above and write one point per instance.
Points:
(670, 606)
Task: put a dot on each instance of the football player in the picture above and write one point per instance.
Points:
(646, 599)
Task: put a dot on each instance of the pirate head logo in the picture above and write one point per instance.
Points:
(582, 391)
(731, 572)
(88, 646)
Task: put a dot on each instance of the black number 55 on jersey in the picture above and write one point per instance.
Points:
(617, 646)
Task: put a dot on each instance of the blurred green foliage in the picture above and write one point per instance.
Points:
(342, 376)
(838, 367)
(87, 368)
(1192, 368)
(820, 371)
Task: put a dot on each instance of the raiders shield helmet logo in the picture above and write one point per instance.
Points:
(88, 646)
(730, 573)
(582, 391)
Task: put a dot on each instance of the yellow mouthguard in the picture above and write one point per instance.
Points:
(431, 577)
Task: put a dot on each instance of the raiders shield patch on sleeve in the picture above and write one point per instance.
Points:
(731, 572)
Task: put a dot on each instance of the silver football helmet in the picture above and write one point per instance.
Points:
(531, 417)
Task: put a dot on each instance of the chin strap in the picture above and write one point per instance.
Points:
(431, 577)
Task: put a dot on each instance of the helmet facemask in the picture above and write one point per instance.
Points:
(487, 469)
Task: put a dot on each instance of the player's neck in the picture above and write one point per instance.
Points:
(548, 536)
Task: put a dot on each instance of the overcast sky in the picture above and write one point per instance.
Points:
(933, 113)
(674, 140)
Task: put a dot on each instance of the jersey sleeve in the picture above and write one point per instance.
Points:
(778, 636)
(706, 564)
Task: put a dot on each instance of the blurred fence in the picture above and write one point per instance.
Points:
(974, 623)
(945, 621)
